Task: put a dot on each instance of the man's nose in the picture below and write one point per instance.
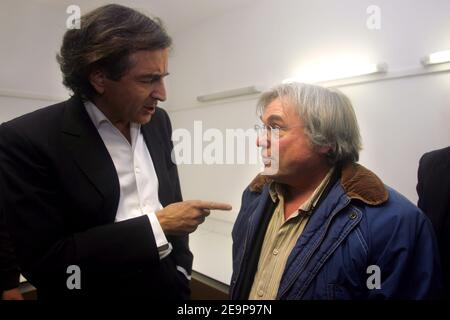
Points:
(159, 92)
(261, 141)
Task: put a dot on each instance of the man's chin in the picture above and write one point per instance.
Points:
(271, 171)
(143, 119)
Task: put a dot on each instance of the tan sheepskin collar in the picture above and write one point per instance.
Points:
(357, 181)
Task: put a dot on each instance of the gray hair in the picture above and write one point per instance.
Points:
(327, 114)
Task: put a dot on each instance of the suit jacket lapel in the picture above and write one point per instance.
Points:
(154, 143)
(82, 139)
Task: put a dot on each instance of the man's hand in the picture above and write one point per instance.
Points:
(12, 294)
(184, 217)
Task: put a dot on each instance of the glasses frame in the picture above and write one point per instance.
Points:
(275, 130)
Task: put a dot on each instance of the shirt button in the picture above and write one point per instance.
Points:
(260, 293)
(137, 170)
(275, 252)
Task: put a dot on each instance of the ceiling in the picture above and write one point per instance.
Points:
(177, 15)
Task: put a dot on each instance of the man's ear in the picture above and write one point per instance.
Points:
(97, 79)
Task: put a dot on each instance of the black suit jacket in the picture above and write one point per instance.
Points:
(61, 201)
(434, 199)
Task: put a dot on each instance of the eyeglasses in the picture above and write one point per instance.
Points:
(272, 129)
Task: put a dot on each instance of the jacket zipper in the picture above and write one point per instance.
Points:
(314, 249)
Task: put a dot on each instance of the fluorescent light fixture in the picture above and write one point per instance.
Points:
(336, 71)
(230, 93)
(436, 57)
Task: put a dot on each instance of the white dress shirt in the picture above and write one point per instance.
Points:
(137, 175)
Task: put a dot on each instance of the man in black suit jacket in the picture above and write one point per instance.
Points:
(433, 188)
(74, 202)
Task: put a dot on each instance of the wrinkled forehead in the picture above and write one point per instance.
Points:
(282, 106)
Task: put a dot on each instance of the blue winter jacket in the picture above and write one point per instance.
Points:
(360, 226)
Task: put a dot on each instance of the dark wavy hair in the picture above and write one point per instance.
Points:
(106, 38)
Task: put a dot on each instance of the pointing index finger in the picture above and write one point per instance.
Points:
(211, 205)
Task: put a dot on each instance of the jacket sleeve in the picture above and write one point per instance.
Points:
(408, 260)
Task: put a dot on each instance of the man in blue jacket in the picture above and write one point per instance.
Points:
(317, 225)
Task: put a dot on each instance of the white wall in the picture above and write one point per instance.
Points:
(267, 41)
(30, 34)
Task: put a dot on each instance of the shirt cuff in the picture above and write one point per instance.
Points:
(164, 247)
